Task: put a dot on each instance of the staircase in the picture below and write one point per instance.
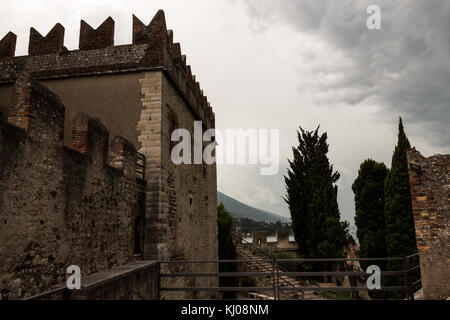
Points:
(284, 281)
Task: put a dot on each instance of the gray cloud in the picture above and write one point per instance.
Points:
(281, 64)
(403, 68)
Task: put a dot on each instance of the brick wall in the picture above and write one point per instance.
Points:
(60, 206)
(430, 194)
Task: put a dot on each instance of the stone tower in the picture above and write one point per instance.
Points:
(141, 92)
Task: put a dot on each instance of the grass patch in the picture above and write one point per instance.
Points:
(339, 295)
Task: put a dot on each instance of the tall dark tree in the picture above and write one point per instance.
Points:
(401, 236)
(312, 198)
(369, 216)
(369, 209)
(400, 232)
(227, 250)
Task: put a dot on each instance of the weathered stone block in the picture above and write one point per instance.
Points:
(429, 192)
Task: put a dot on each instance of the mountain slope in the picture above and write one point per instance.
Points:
(241, 210)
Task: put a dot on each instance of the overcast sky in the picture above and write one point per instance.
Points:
(284, 64)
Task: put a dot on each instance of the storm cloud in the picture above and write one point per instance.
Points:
(284, 64)
(404, 68)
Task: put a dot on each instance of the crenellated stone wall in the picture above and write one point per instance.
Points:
(430, 194)
(142, 92)
(60, 206)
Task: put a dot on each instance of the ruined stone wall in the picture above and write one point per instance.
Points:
(60, 206)
(430, 194)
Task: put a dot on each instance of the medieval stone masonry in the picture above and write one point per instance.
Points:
(430, 194)
(71, 124)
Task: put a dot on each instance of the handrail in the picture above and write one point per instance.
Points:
(267, 255)
(408, 287)
(280, 265)
(264, 267)
(283, 266)
(264, 253)
(214, 261)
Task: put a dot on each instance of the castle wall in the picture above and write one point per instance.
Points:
(60, 206)
(430, 194)
(112, 98)
(142, 92)
(192, 195)
(181, 199)
(115, 99)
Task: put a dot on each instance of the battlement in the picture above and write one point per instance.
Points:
(152, 48)
(61, 206)
(51, 43)
(102, 37)
(8, 45)
(40, 113)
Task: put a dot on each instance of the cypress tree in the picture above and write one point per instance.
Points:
(368, 189)
(312, 198)
(400, 232)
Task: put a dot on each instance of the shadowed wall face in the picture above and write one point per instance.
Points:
(5, 100)
(430, 194)
(114, 99)
(60, 207)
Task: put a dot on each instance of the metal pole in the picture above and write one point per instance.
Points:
(407, 280)
(278, 280)
(410, 280)
(273, 281)
(158, 294)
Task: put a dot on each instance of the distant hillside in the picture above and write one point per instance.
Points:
(241, 210)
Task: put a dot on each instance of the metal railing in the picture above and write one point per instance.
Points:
(281, 266)
(262, 266)
(275, 275)
(406, 272)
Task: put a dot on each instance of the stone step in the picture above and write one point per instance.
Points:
(283, 280)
